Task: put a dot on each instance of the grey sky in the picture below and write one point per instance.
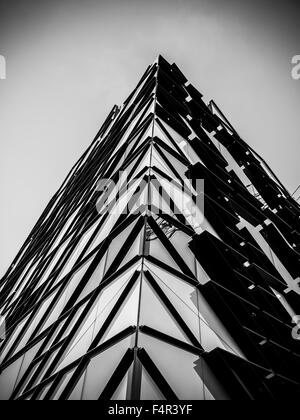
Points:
(68, 62)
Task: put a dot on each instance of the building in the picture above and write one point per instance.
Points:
(139, 283)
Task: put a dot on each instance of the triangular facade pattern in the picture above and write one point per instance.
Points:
(158, 305)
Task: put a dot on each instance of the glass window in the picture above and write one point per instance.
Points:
(180, 295)
(149, 389)
(154, 314)
(177, 367)
(101, 368)
(8, 379)
(127, 315)
(121, 392)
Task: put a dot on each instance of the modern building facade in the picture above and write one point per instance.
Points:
(138, 283)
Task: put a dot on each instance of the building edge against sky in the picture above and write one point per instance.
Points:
(141, 293)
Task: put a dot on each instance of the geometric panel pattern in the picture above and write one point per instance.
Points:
(126, 289)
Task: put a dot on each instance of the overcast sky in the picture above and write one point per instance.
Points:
(70, 61)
